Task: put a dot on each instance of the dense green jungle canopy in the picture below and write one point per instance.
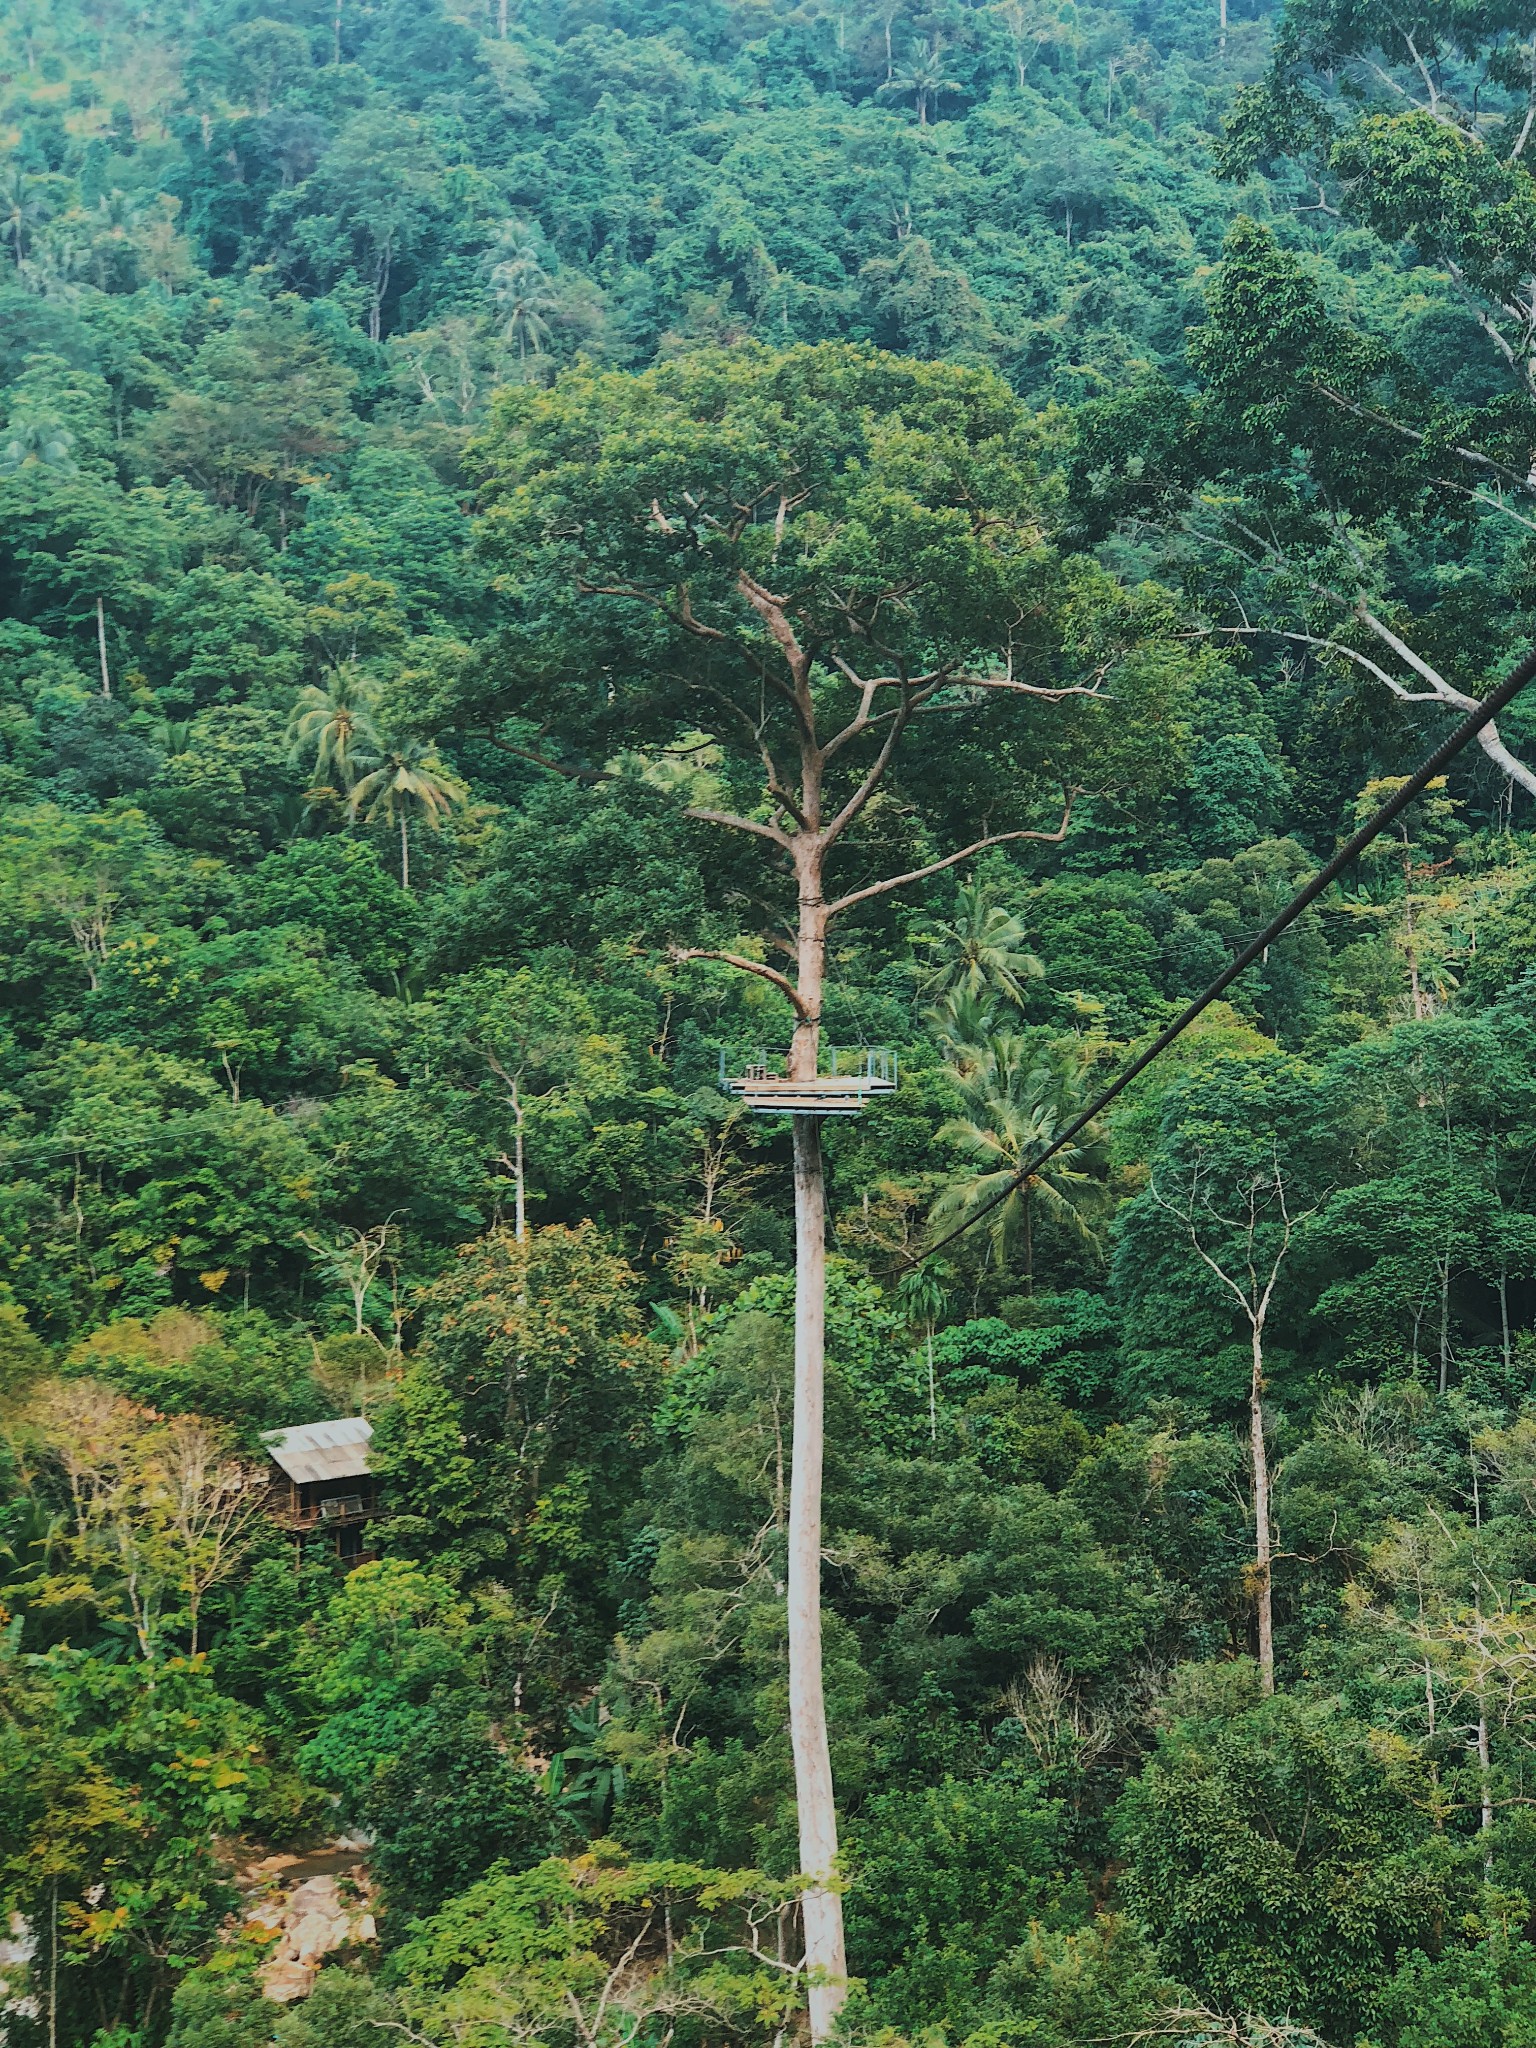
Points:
(402, 404)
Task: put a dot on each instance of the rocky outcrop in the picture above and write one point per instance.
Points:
(306, 1908)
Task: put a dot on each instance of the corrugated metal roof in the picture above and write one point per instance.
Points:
(322, 1450)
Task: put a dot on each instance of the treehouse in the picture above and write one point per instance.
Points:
(848, 1080)
(323, 1485)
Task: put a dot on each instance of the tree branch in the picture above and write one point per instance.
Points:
(681, 614)
(1407, 433)
(952, 860)
(771, 771)
(1530, 114)
(1330, 646)
(1446, 692)
(752, 825)
(871, 781)
(543, 761)
(1488, 739)
(770, 610)
(760, 968)
(1011, 686)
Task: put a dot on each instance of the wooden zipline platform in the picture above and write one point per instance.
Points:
(854, 1078)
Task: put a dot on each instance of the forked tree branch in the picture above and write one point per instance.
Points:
(1440, 690)
(770, 609)
(873, 777)
(1488, 738)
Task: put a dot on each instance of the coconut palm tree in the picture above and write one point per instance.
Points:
(23, 207)
(980, 955)
(522, 290)
(921, 1299)
(58, 256)
(1017, 1098)
(333, 723)
(410, 779)
(923, 80)
(963, 1024)
(523, 298)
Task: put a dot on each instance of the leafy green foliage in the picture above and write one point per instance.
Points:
(1286, 1861)
(415, 424)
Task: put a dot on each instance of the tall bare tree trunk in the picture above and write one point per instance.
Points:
(405, 852)
(1445, 1318)
(1484, 1755)
(101, 648)
(1263, 1584)
(821, 1905)
(519, 1173)
(1415, 987)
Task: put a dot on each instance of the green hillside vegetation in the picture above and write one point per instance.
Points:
(452, 458)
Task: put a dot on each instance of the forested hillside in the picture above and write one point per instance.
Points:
(504, 508)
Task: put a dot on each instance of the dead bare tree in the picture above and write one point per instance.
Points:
(212, 1504)
(1262, 1231)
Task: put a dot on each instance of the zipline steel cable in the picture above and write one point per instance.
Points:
(1417, 783)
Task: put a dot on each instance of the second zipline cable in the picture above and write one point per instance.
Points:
(1484, 714)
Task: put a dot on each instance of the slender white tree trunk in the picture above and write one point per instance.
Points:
(1484, 1756)
(1445, 1319)
(821, 1906)
(1263, 1586)
(405, 852)
(519, 1181)
(101, 648)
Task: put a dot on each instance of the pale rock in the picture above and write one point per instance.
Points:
(318, 1916)
(314, 1895)
(313, 1935)
(282, 1983)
